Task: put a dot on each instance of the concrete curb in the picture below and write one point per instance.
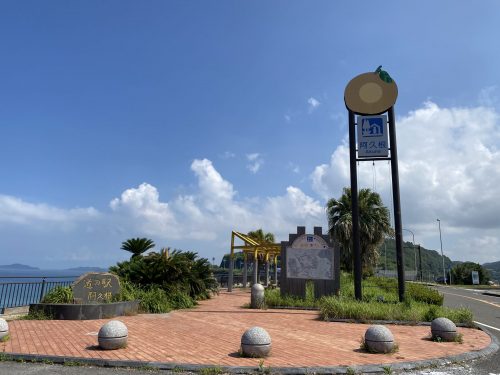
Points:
(186, 367)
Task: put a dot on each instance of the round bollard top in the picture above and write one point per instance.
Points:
(257, 288)
(113, 328)
(443, 325)
(378, 333)
(256, 336)
(4, 326)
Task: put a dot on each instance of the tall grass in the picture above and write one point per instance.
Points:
(60, 294)
(273, 298)
(411, 311)
(380, 302)
(155, 299)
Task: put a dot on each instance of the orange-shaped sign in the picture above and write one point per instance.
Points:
(371, 93)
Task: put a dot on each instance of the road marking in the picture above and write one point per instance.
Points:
(487, 326)
(475, 299)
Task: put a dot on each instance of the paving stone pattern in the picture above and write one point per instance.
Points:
(211, 334)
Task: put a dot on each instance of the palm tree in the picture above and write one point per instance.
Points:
(137, 246)
(261, 237)
(374, 225)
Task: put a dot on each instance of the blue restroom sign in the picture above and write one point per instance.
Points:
(372, 136)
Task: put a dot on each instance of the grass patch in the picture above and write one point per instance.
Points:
(35, 315)
(73, 364)
(264, 369)
(154, 299)
(273, 298)
(411, 311)
(386, 289)
(5, 338)
(211, 370)
(380, 302)
(459, 338)
(60, 294)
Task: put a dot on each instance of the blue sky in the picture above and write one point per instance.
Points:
(182, 120)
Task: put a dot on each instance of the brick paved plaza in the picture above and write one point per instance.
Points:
(210, 334)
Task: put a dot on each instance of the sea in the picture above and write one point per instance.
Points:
(21, 287)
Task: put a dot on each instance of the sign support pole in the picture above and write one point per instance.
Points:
(356, 248)
(371, 94)
(397, 206)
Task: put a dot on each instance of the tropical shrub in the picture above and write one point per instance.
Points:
(137, 246)
(374, 225)
(176, 272)
(59, 294)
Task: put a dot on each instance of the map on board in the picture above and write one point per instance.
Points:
(313, 264)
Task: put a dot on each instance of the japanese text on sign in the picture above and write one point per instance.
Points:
(372, 136)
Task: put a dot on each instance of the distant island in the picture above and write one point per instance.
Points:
(24, 267)
(17, 266)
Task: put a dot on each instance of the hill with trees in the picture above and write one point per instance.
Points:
(494, 269)
(432, 262)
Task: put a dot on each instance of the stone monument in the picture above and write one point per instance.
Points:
(96, 287)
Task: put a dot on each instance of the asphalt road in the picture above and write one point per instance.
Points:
(486, 310)
(15, 368)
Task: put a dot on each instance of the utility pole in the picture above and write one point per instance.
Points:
(420, 261)
(441, 241)
(414, 250)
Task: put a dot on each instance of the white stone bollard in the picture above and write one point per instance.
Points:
(256, 343)
(113, 335)
(4, 330)
(257, 297)
(379, 339)
(443, 328)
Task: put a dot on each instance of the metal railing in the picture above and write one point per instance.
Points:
(15, 293)
(223, 278)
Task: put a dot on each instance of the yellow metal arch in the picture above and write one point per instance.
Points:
(253, 247)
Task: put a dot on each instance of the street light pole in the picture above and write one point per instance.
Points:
(385, 261)
(414, 250)
(441, 241)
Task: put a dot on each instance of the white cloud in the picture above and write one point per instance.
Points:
(211, 182)
(449, 168)
(294, 167)
(228, 155)
(256, 162)
(144, 212)
(15, 210)
(214, 210)
(313, 104)
(488, 97)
